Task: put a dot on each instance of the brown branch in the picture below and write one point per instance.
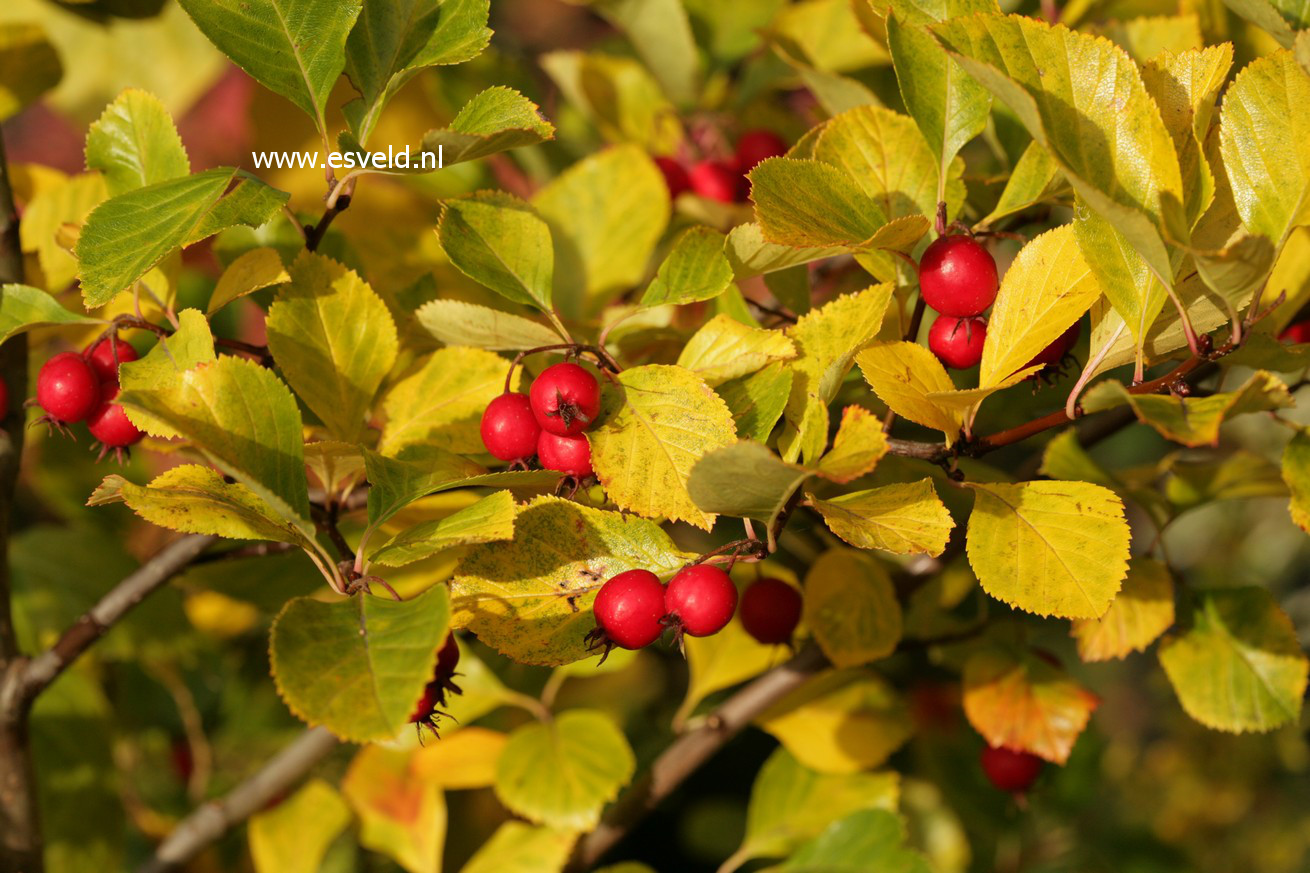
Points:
(207, 823)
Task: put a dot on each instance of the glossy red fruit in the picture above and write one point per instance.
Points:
(434, 693)
(1055, 352)
(957, 342)
(570, 455)
(565, 399)
(110, 424)
(67, 388)
(1009, 769)
(4, 400)
(957, 276)
(675, 175)
(702, 599)
(509, 429)
(448, 658)
(101, 357)
(758, 145)
(629, 609)
(717, 180)
(770, 611)
(1296, 333)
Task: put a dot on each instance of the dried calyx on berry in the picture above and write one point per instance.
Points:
(958, 342)
(429, 707)
(565, 399)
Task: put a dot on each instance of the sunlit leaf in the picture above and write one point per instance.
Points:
(904, 375)
(489, 520)
(857, 448)
(1143, 609)
(903, 519)
(695, 269)
(725, 349)
(134, 143)
(516, 847)
(441, 403)
(258, 268)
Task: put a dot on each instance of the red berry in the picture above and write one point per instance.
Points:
(4, 400)
(110, 424)
(758, 145)
(427, 704)
(1296, 333)
(629, 609)
(958, 342)
(448, 658)
(770, 611)
(1009, 769)
(101, 357)
(434, 693)
(702, 598)
(67, 388)
(957, 276)
(717, 180)
(1059, 347)
(509, 430)
(675, 175)
(570, 455)
(565, 399)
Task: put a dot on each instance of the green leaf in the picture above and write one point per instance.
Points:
(126, 236)
(499, 241)
(401, 810)
(489, 520)
(1276, 18)
(857, 448)
(333, 338)
(757, 401)
(851, 608)
(253, 270)
(725, 349)
(394, 483)
(1142, 611)
(1036, 178)
(495, 120)
(808, 204)
(904, 519)
(516, 847)
(655, 423)
(295, 835)
(530, 599)
(1296, 473)
(135, 144)
(619, 96)
(441, 403)
(23, 307)
(29, 66)
(1239, 666)
(744, 480)
(457, 323)
(662, 36)
(563, 772)
(872, 839)
(161, 369)
(695, 269)
(357, 666)
(606, 213)
(751, 255)
(296, 48)
(1053, 548)
(1022, 701)
(905, 376)
(1265, 141)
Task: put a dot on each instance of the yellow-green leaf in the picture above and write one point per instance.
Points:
(904, 376)
(1142, 611)
(516, 847)
(725, 349)
(757, 401)
(695, 269)
(744, 480)
(857, 448)
(441, 403)
(904, 519)
(851, 608)
(253, 270)
(721, 661)
(402, 815)
(1296, 473)
(457, 323)
(499, 241)
(1036, 178)
(809, 204)
(295, 835)
(489, 520)
(134, 143)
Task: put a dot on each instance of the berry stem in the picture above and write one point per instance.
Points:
(603, 358)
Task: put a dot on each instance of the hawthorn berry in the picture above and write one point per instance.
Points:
(675, 175)
(700, 600)
(67, 388)
(1053, 354)
(758, 145)
(770, 611)
(629, 611)
(509, 429)
(716, 180)
(1296, 333)
(434, 693)
(1010, 769)
(4, 399)
(570, 455)
(110, 425)
(565, 399)
(957, 276)
(105, 356)
(958, 342)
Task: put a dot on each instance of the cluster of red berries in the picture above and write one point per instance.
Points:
(546, 422)
(72, 388)
(958, 280)
(633, 609)
(428, 708)
(720, 179)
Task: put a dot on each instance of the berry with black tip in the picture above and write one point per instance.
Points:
(770, 611)
(1010, 769)
(570, 455)
(565, 399)
(675, 175)
(717, 180)
(106, 355)
(700, 600)
(957, 276)
(629, 611)
(958, 342)
(67, 388)
(509, 429)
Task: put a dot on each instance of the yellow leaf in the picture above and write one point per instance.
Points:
(255, 269)
(1143, 610)
(295, 835)
(219, 615)
(726, 349)
(904, 519)
(441, 403)
(904, 375)
(858, 447)
(465, 758)
(851, 608)
(1296, 473)
(721, 661)
(401, 814)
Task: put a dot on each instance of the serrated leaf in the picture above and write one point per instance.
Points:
(258, 268)
(1047, 289)
(23, 307)
(1036, 178)
(333, 339)
(655, 423)
(1273, 17)
(904, 376)
(859, 445)
(725, 349)
(294, 836)
(751, 255)
(495, 120)
(809, 204)
(296, 48)
(402, 814)
(757, 401)
(1142, 611)
(744, 480)
(904, 519)
(516, 847)
(871, 839)
(695, 269)
(489, 520)
(851, 608)
(499, 241)
(1021, 701)
(441, 403)
(161, 369)
(29, 66)
(1239, 666)
(530, 599)
(563, 772)
(358, 665)
(135, 144)
(456, 323)
(1052, 548)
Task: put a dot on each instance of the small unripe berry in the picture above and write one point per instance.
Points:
(110, 424)
(67, 388)
(702, 599)
(1296, 333)
(770, 611)
(675, 175)
(565, 399)
(629, 609)
(509, 429)
(101, 357)
(1053, 354)
(570, 455)
(957, 276)
(758, 145)
(957, 342)
(1009, 769)
(717, 180)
